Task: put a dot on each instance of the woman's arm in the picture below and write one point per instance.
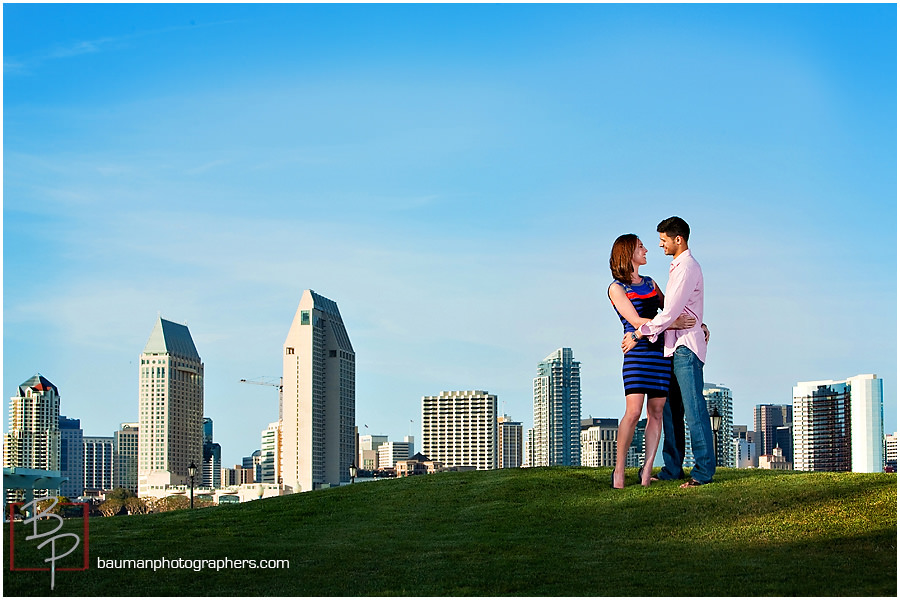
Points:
(624, 306)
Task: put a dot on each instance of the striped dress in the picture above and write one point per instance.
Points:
(644, 369)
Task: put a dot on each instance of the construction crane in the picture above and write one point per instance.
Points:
(270, 381)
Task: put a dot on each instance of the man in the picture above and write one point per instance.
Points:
(687, 347)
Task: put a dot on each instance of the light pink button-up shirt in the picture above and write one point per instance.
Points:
(684, 292)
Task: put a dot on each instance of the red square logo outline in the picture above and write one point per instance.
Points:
(85, 508)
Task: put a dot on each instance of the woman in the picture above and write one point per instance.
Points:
(645, 371)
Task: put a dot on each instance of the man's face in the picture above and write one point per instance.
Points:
(668, 244)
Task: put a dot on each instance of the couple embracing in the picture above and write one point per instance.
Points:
(667, 368)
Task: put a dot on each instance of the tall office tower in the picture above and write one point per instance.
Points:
(784, 439)
(838, 425)
(766, 419)
(171, 409)
(390, 452)
(33, 440)
(459, 429)
(557, 410)
(867, 423)
(99, 462)
(211, 472)
(368, 451)
(598, 442)
(71, 457)
(253, 462)
(319, 397)
(509, 443)
(890, 453)
(719, 397)
(270, 454)
(127, 443)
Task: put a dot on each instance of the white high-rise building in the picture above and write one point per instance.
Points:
(557, 410)
(866, 423)
(529, 448)
(459, 429)
(270, 453)
(170, 409)
(33, 441)
(838, 425)
(890, 452)
(318, 398)
(390, 452)
(744, 453)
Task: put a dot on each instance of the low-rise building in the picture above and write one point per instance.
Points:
(775, 461)
(417, 465)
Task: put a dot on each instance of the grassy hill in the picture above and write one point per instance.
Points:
(557, 531)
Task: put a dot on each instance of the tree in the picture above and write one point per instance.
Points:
(173, 502)
(120, 493)
(137, 506)
(111, 507)
(56, 510)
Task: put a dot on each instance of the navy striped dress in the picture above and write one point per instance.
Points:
(644, 368)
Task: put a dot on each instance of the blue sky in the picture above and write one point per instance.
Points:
(453, 176)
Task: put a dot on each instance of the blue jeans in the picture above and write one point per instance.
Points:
(686, 403)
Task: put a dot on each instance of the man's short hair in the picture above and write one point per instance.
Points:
(674, 226)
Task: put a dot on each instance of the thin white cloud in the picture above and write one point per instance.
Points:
(23, 64)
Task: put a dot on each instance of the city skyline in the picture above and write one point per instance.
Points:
(454, 176)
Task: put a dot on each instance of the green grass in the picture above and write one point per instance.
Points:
(557, 531)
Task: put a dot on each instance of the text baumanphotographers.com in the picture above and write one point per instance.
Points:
(196, 564)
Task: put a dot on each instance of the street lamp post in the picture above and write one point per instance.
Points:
(715, 422)
(352, 472)
(192, 470)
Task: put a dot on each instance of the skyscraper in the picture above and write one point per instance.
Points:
(170, 409)
(509, 443)
(270, 453)
(71, 457)
(719, 397)
(838, 425)
(319, 397)
(99, 462)
(127, 448)
(767, 418)
(390, 452)
(459, 429)
(890, 453)
(33, 440)
(557, 410)
(254, 464)
(211, 473)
